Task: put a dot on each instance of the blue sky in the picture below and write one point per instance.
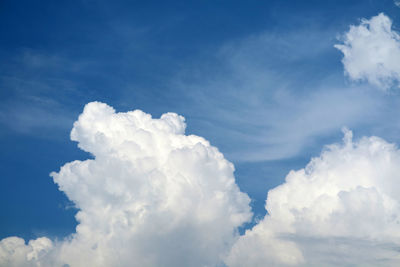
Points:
(261, 80)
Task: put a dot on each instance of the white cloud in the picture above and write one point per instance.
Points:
(341, 209)
(15, 253)
(397, 3)
(151, 196)
(372, 52)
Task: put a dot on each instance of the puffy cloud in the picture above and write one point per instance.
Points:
(341, 209)
(372, 52)
(152, 196)
(14, 251)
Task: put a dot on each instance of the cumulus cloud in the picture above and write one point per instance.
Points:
(342, 209)
(152, 196)
(15, 253)
(372, 52)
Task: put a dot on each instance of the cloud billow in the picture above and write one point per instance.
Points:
(372, 52)
(152, 196)
(341, 209)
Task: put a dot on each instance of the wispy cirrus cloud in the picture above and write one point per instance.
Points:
(38, 92)
(257, 93)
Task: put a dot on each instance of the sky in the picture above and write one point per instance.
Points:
(247, 133)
